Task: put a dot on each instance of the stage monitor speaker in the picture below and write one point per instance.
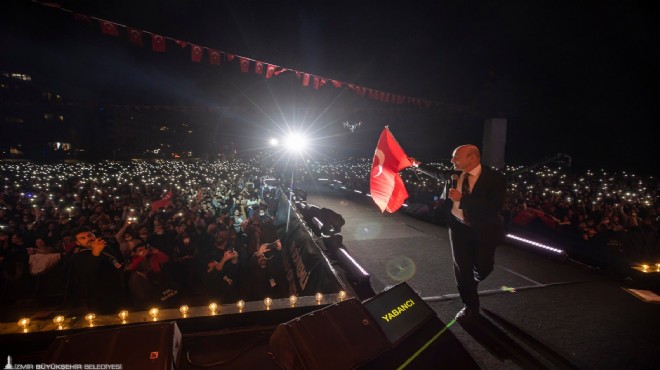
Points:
(154, 346)
(399, 311)
(340, 336)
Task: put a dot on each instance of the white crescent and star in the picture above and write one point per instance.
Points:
(380, 157)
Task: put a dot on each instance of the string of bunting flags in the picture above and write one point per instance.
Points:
(159, 44)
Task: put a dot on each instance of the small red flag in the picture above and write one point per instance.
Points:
(387, 188)
(162, 203)
(214, 57)
(182, 44)
(245, 64)
(158, 43)
(196, 53)
(259, 67)
(336, 83)
(109, 28)
(82, 18)
(135, 36)
(230, 57)
(270, 69)
(305, 81)
(317, 83)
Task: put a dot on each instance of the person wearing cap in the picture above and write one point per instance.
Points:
(98, 271)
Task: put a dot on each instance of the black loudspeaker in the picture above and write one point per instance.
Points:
(399, 311)
(393, 328)
(154, 346)
(340, 336)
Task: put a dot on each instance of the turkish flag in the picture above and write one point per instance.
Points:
(270, 69)
(196, 53)
(230, 57)
(135, 36)
(109, 28)
(387, 188)
(214, 56)
(336, 83)
(245, 64)
(162, 203)
(157, 43)
(305, 81)
(259, 67)
(317, 83)
(82, 18)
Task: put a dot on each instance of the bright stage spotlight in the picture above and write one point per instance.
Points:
(273, 141)
(295, 142)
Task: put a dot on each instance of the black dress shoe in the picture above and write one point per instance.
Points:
(467, 314)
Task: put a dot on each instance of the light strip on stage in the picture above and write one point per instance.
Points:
(357, 191)
(345, 253)
(536, 244)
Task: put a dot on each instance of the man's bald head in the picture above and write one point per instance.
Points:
(466, 157)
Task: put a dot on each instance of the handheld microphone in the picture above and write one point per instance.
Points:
(454, 181)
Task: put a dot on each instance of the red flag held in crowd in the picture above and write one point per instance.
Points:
(387, 188)
(162, 203)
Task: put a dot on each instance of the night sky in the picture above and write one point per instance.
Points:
(579, 78)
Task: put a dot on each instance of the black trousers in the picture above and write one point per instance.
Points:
(474, 257)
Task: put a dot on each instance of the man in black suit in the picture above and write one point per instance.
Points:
(476, 197)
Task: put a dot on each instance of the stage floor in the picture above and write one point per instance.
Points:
(558, 314)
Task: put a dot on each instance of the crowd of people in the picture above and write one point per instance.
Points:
(134, 234)
(138, 234)
(596, 211)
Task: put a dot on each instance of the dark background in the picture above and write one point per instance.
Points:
(570, 77)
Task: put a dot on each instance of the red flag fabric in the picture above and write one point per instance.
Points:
(387, 188)
(196, 53)
(230, 57)
(259, 67)
(109, 28)
(82, 18)
(162, 203)
(530, 214)
(317, 83)
(158, 43)
(182, 44)
(305, 81)
(135, 36)
(270, 69)
(214, 56)
(245, 64)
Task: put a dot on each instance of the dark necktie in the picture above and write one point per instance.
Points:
(465, 189)
(465, 186)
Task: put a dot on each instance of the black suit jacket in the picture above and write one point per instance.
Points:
(483, 205)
